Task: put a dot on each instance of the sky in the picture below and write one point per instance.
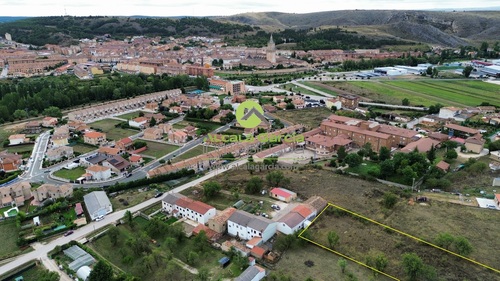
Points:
(217, 7)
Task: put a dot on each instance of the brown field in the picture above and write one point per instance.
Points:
(309, 117)
(423, 221)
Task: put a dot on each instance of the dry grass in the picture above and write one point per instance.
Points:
(309, 117)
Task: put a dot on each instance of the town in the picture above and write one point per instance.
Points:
(161, 177)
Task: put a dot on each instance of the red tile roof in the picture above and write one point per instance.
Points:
(258, 251)
(302, 210)
(443, 165)
(94, 135)
(281, 192)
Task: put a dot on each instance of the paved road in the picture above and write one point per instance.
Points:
(312, 89)
(41, 251)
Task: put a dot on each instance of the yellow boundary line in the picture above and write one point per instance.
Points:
(387, 227)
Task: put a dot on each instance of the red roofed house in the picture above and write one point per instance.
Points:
(94, 138)
(78, 209)
(177, 136)
(49, 121)
(295, 219)
(282, 194)
(139, 122)
(135, 160)
(443, 166)
(184, 207)
(257, 252)
(124, 144)
(211, 235)
(219, 222)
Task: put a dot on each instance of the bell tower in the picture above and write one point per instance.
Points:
(271, 50)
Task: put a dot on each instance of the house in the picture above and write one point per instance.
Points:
(94, 138)
(329, 103)
(475, 143)
(219, 117)
(282, 194)
(219, 222)
(96, 172)
(449, 112)
(153, 134)
(184, 207)
(57, 153)
(53, 191)
(18, 139)
(124, 144)
(59, 140)
(116, 163)
(325, 145)
(295, 219)
(97, 204)
(238, 98)
(139, 122)
(269, 108)
(247, 226)
(177, 136)
(33, 127)
(157, 116)
(278, 99)
(299, 103)
(175, 109)
(190, 131)
(252, 273)
(105, 150)
(136, 160)
(422, 145)
(49, 122)
(316, 203)
(152, 106)
(9, 161)
(349, 101)
(15, 193)
(443, 166)
(165, 127)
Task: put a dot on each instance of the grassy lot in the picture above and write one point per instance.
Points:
(70, 174)
(297, 89)
(108, 126)
(83, 148)
(309, 117)
(151, 209)
(133, 197)
(8, 236)
(179, 126)
(32, 274)
(141, 222)
(424, 221)
(158, 150)
(130, 115)
(20, 148)
(364, 168)
(195, 151)
(320, 87)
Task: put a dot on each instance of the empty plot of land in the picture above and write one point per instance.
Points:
(195, 151)
(309, 117)
(156, 149)
(112, 132)
(83, 148)
(130, 115)
(8, 236)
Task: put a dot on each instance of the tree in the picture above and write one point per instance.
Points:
(277, 178)
(405, 102)
(341, 153)
(129, 219)
(390, 199)
(429, 70)
(384, 154)
(203, 274)
(101, 272)
(113, 235)
(462, 246)
(211, 189)
(435, 72)
(413, 265)
(47, 275)
(152, 122)
(353, 160)
(431, 154)
(20, 114)
(451, 154)
(192, 258)
(444, 240)
(342, 264)
(467, 71)
(333, 239)
(254, 185)
(52, 111)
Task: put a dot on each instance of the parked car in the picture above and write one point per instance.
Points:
(68, 233)
(491, 207)
(158, 194)
(99, 218)
(276, 207)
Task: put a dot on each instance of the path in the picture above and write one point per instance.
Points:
(52, 266)
(192, 270)
(312, 89)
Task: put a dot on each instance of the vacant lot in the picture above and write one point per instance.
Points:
(130, 115)
(20, 148)
(8, 236)
(72, 174)
(424, 221)
(321, 87)
(309, 117)
(83, 148)
(112, 132)
(31, 274)
(157, 150)
(195, 151)
(300, 90)
(131, 198)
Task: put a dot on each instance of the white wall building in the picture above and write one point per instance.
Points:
(247, 226)
(184, 207)
(97, 204)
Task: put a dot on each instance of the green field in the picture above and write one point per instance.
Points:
(112, 132)
(425, 92)
(70, 174)
(20, 148)
(320, 88)
(158, 150)
(130, 115)
(195, 151)
(8, 236)
(297, 89)
(34, 273)
(83, 148)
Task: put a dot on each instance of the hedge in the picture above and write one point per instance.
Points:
(203, 121)
(145, 181)
(10, 177)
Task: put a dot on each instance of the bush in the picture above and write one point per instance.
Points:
(390, 199)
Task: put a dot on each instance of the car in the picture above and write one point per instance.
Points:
(276, 207)
(158, 194)
(68, 233)
(48, 171)
(491, 207)
(99, 218)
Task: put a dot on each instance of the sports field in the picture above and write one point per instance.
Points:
(459, 93)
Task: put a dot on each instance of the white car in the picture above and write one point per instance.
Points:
(99, 218)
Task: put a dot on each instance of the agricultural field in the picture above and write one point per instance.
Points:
(425, 92)
(112, 132)
(425, 221)
(309, 117)
(157, 150)
(8, 236)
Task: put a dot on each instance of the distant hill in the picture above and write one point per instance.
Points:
(64, 30)
(9, 19)
(444, 28)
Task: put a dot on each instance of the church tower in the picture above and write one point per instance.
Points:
(271, 50)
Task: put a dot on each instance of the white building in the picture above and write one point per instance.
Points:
(17, 139)
(184, 207)
(247, 226)
(333, 102)
(97, 172)
(449, 112)
(139, 122)
(97, 204)
(252, 273)
(296, 219)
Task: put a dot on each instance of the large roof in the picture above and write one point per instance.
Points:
(250, 273)
(96, 200)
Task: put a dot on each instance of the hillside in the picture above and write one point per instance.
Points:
(63, 30)
(444, 28)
